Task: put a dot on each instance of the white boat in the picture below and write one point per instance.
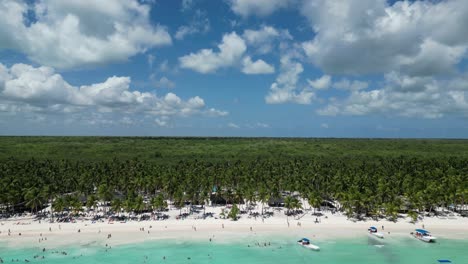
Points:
(424, 235)
(305, 242)
(374, 232)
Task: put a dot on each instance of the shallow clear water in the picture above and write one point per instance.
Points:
(361, 250)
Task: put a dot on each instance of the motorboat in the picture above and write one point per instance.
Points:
(305, 242)
(374, 232)
(424, 235)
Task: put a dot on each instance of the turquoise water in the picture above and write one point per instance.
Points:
(361, 250)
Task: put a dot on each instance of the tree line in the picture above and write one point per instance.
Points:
(363, 187)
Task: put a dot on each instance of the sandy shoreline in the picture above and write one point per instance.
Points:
(333, 226)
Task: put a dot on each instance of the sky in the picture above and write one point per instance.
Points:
(263, 68)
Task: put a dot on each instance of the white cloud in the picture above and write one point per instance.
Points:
(408, 96)
(257, 67)
(264, 34)
(324, 125)
(258, 7)
(345, 84)
(263, 38)
(164, 66)
(24, 82)
(207, 61)
(321, 83)
(284, 89)
(128, 121)
(417, 38)
(232, 125)
(248, 125)
(28, 89)
(199, 24)
(161, 122)
(186, 5)
(416, 45)
(329, 110)
(150, 59)
(216, 112)
(262, 125)
(163, 82)
(66, 34)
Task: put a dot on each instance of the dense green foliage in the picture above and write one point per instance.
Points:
(173, 150)
(367, 177)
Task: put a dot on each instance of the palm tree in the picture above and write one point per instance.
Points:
(289, 204)
(158, 202)
(33, 199)
(139, 204)
(105, 195)
(116, 205)
(75, 204)
(413, 215)
(58, 204)
(297, 205)
(234, 212)
(264, 197)
(92, 202)
(391, 210)
(128, 205)
(314, 200)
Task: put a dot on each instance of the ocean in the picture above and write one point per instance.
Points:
(259, 249)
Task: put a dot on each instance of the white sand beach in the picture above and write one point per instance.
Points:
(330, 226)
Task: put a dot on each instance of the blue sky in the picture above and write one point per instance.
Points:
(282, 68)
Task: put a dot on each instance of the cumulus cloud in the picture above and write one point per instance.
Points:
(161, 122)
(260, 8)
(418, 38)
(263, 39)
(216, 112)
(256, 67)
(417, 46)
(284, 89)
(321, 83)
(329, 110)
(28, 89)
(404, 95)
(66, 34)
(230, 52)
(162, 82)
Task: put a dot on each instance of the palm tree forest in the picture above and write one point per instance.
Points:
(366, 177)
